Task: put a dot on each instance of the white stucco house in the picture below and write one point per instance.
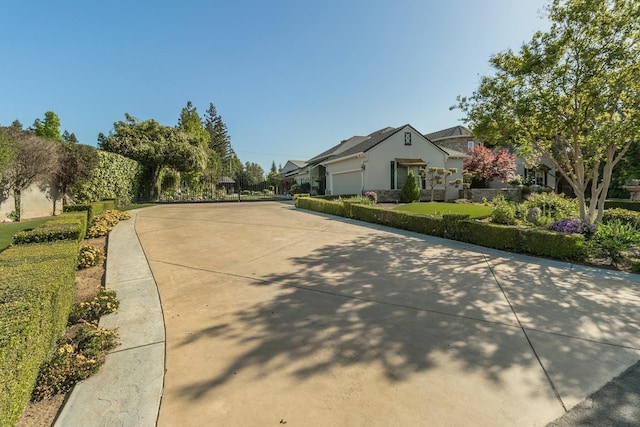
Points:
(381, 162)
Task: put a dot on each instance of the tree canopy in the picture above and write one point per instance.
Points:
(76, 162)
(485, 165)
(7, 148)
(34, 159)
(49, 127)
(155, 146)
(570, 95)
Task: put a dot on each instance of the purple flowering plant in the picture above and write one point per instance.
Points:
(573, 226)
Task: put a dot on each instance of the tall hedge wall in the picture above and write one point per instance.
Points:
(115, 177)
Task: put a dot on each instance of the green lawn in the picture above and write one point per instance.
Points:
(7, 230)
(439, 208)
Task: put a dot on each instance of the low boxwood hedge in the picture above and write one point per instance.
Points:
(36, 295)
(459, 227)
(67, 226)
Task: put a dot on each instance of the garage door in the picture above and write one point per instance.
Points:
(347, 183)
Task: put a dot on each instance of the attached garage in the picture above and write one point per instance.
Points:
(347, 182)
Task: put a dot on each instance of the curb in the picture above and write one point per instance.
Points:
(128, 388)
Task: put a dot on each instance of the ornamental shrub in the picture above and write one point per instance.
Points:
(504, 212)
(572, 226)
(104, 223)
(612, 238)
(411, 190)
(552, 205)
(623, 215)
(89, 256)
(90, 311)
(75, 359)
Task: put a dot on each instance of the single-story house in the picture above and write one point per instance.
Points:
(381, 162)
(290, 174)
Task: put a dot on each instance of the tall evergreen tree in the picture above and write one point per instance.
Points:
(220, 141)
(190, 123)
(49, 127)
(69, 137)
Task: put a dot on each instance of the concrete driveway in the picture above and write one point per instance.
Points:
(275, 315)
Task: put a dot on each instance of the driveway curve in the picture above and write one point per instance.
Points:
(277, 315)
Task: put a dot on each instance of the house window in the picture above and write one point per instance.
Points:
(536, 176)
(471, 145)
(407, 138)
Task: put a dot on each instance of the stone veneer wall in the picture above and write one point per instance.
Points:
(477, 194)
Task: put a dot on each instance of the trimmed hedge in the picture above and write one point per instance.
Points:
(93, 209)
(623, 204)
(67, 226)
(36, 294)
(458, 227)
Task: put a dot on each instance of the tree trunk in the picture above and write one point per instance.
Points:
(17, 204)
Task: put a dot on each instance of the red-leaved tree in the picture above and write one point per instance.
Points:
(485, 165)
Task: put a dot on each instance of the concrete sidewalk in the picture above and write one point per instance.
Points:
(276, 315)
(128, 388)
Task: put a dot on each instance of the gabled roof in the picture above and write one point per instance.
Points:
(453, 132)
(369, 141)
(338, 149)
(454, 153)
(377, 137)
(298, 163)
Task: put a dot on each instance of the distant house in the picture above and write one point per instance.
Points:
(461, 139)
(457, 138)
(226, 183)
(381, 162)
(291, 166)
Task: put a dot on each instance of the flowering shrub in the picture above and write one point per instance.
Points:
(89, 256)
(104, 223)
(104, 303)
(77, 358)
(573, 226)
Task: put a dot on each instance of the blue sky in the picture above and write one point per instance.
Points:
(290, 78)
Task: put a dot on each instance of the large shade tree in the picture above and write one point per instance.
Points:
(76, 162)
(156, 147)
(570, 95)
(34, 160)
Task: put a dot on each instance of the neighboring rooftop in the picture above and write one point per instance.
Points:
(453, 132)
